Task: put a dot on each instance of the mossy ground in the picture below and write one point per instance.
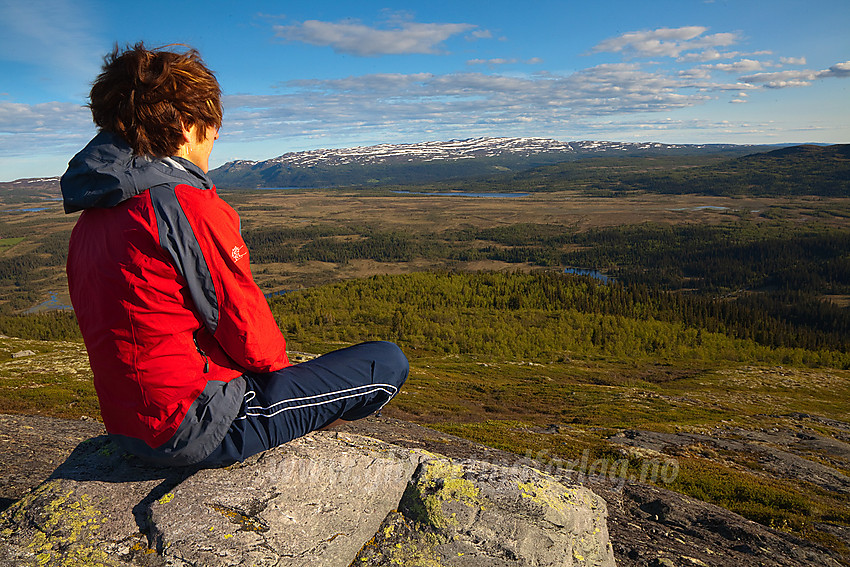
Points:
(50, 378)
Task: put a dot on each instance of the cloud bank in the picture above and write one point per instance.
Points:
(797, 78)
(358, 39)
(472, 103)
(655, 72)
(463, 103)
(50, 126)
(665, 42)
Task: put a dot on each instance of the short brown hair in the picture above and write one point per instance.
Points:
(146, 96)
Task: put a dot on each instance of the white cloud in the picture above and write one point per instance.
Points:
(496, 61)
(797, 78)
(491, 62)
(674, 129)
(837, 70)
(50, 127)
(742, 66)
(358, 39)
(16, 118)
(698, 73)
(793, 60)
(666, 42)
(715, 55)
(781, 79)
(707, 55)
(481, 34)
(462, 102)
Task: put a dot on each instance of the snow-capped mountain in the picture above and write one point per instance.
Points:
(450, 150)
(422, 162)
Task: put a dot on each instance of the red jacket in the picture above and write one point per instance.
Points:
(163, 292)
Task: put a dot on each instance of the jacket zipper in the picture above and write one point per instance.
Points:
(202, 353)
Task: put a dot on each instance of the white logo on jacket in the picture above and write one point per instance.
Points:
(237, 253)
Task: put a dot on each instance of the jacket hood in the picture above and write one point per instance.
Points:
(106, 173)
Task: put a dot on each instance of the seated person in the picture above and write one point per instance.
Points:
(189, 365)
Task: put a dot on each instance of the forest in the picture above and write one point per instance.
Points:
(542, 316)
(697, 291)
(768, 278)
(763, 282)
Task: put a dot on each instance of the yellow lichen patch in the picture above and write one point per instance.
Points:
(400, 542)
(547, 493)
(141, 548)
(447, 479)
(246, 522)
(61, 531)
(441, 481)
(413, 555)
(166, 498)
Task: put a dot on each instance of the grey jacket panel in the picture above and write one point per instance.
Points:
(179, 240)
(202, 430)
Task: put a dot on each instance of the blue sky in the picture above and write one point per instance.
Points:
(324, 74)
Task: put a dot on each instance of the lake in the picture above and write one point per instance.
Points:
(466, 194)
(702, 208)
(592, 273)
(52, 304)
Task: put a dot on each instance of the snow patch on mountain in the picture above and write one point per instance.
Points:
(443, 150)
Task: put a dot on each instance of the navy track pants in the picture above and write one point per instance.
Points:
(347, 384)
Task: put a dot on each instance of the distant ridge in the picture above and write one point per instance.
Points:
(424, 162)
(807, 169)
(452, 150)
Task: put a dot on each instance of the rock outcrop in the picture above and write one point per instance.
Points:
(331, 499)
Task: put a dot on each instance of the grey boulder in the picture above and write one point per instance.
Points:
(331, 499)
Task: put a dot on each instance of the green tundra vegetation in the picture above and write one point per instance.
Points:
(498, 357)
(764, 282)
(542, 317)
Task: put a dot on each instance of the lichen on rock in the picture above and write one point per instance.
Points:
(329, 498)
(58, 527)
(473, 513)
(439, 481)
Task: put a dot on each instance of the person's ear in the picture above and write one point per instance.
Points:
(188, 133)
